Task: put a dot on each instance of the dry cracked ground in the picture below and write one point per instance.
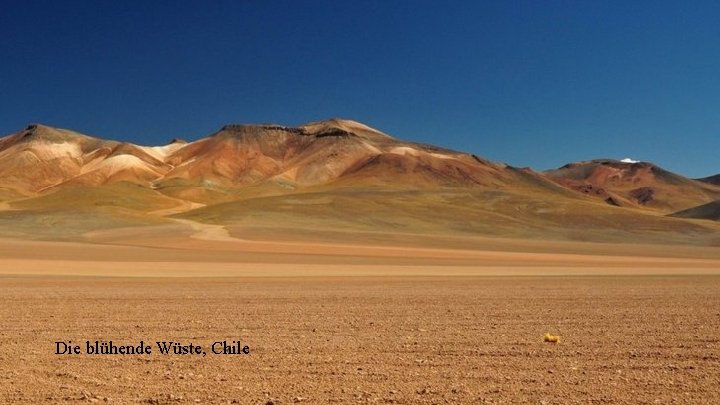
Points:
(402, 340)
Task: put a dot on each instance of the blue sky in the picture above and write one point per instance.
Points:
(530, 83)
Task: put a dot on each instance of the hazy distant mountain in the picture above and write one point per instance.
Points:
(706, 211)
(712, 180)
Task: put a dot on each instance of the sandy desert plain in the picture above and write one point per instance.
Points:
(380, 325)
(354, 294)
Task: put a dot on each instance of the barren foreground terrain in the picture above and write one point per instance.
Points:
(434, 339)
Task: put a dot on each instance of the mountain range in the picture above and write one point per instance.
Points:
(329, 178)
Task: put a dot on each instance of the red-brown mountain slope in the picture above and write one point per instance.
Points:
(638, 184)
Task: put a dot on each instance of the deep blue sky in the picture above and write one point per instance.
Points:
(531, 83)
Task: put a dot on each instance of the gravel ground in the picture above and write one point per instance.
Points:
(425, 340)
